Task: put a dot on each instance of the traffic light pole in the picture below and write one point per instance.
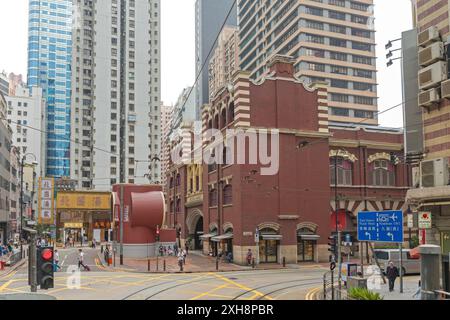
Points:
(32, 259)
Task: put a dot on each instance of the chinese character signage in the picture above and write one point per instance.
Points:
(46, 201)
(83, 201)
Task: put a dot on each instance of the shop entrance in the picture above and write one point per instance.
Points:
(306, 245)
(198, 244)
(268, 246)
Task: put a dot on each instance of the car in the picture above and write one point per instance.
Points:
(411, 265)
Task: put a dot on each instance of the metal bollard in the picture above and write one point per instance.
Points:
(164, 265)
(217, 264)
(253, 263)
(148, 267)
(284, 262)
(157, 264)
(101, 249)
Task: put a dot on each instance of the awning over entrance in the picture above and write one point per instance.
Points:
(208, 235)
(225, 236)
(271, 236)
(309, 236)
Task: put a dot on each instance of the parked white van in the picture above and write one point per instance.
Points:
(410, 265)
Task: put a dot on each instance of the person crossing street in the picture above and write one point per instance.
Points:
(81, 261)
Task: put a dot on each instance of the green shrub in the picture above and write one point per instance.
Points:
(363, 294)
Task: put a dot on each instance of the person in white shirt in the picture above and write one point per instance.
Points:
(57, 266)
(80, 258)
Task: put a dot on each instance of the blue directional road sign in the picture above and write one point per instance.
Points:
(381, 226)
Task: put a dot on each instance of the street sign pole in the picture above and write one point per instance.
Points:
(339, 264)
(401, 267)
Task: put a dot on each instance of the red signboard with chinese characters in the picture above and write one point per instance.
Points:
(342, 220)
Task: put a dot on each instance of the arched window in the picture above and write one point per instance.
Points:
(210, 124)
(216, 122)
(213, 198)
(171, 182)
(227, 160)
(223, 118)
(178, 209)
(382, 173)
(344, 171)
(231, 112)
(228, 194)
(171, 206)
(178, 179)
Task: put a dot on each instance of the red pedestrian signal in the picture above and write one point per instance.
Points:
(47, 254)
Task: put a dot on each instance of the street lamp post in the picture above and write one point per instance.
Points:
(22, 165)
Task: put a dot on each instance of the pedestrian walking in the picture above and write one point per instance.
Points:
(175, 249)
(56, 261)
(106, 253)
(181, 260)
(392, 274)
(249, 257)
(186, 247)
(81, 261)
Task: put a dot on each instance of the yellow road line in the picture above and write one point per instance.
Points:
(5, 285)
(311, 293)
(211, 291)
(243, 287)
(10, 275)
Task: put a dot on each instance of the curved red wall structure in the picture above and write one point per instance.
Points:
(145, 207)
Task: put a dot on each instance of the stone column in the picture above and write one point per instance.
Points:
(430, 270)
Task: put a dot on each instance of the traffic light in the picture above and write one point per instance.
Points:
(45, 267)
(157, 233)
(332, 243)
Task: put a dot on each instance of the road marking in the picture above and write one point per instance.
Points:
(64, 260)
(5, 285)
(312, 293)
(243, 287)
(211, 291)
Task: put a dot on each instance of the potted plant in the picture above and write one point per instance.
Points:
(363, 294)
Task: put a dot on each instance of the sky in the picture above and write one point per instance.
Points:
(178, 48)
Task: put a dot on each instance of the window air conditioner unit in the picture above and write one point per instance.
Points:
(431, 54)
(445, 89)
(428, 36)
(433, 75)
(434, 173)
(427, 98)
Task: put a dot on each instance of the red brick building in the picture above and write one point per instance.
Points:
(291, 209)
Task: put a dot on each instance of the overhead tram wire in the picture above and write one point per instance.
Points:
(361, 122)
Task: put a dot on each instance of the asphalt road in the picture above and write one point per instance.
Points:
(100, 284)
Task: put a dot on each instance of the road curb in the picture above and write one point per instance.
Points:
(193, 272)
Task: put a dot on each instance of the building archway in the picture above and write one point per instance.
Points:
(194, 225)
